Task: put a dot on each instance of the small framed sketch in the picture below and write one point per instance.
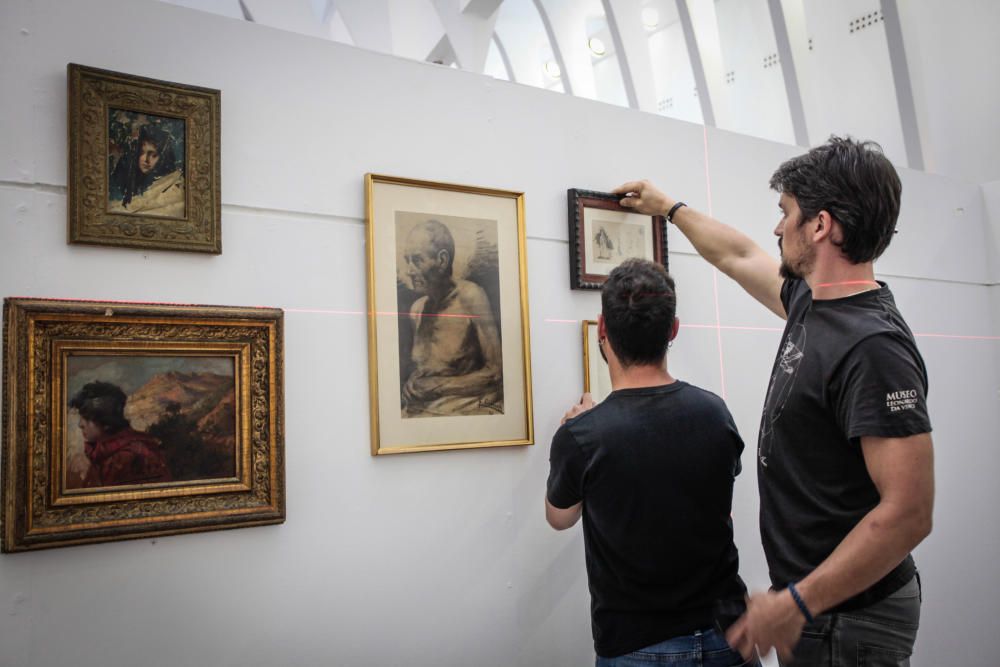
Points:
(128, 420)
(603, 234)
(449, 359)
(596, 378)
(144, 165)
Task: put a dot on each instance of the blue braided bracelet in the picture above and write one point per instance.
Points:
(802, 605)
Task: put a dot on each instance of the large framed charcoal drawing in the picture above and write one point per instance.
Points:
(596, 377)
(144, 162)
(449, 356)
(125, 420)
(603, 234)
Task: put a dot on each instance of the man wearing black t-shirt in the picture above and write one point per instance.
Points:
(651, 471)
(845, 458)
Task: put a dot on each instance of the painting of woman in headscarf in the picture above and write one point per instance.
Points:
(145, 164)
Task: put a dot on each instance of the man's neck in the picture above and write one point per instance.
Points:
(841, 279)
(438, 291)
(637, 377)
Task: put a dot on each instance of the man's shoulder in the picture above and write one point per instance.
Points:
(470, 297)
(695, 394)
(418, 306)
(699, 402)
(854, 321)
(467, 289)
(587, 423)
(138, 438)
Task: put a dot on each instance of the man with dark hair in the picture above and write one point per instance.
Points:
(456, 344)
(117, 453)
(845, 458)
(651, 471)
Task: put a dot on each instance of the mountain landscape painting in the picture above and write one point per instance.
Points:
(178, 421)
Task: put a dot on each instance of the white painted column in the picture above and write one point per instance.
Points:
(635, 51)
(568, 24)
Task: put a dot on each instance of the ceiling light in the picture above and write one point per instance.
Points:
(552, 69)
(597, 46)
(650, 17)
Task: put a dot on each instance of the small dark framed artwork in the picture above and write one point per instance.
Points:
(603, 234)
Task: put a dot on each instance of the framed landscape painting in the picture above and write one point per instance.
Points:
(449, 359)
(603, 234)
(129, 420)
(144, 164)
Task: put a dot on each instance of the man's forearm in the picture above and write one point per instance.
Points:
(729, 250)
(718, 243)
(877, 544)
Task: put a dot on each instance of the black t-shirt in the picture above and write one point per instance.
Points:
(654, 468)
(846, 368)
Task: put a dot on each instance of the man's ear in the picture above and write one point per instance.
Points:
(602, 328)
(442, 257)
(826, 227)
(674, 328)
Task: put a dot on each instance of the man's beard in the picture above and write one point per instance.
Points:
(787, 271)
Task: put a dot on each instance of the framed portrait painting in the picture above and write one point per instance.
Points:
(129, 420)
(596, 378)
(144, 164)
(603, 234)
(449, 359)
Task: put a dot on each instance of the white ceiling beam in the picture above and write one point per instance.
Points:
(481, 8)
(701, 33)
(469, 33)
(567, 27)
(632, 47)
(293, 15)
(368, 23)
(507, 65)
(416, 28)
(789, 73)
(904, 89)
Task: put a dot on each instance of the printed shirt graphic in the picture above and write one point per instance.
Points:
(786, 369)
(846, 368)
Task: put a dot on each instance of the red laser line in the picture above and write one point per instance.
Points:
(122, 301)
(729, 327)
(715, 273)
(847, 282)
(322, 311)
(960, 337)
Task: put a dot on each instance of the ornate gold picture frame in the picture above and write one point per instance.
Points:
(144, 162)
(449, 357)
(125, 420)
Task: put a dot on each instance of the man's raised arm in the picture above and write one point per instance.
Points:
(729, 250)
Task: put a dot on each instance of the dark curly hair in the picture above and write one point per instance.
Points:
(102, 403)
(639, 302)
(855, 183)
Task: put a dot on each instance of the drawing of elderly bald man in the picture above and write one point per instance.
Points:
(456, 353)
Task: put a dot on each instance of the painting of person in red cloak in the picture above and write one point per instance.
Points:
(119, 455)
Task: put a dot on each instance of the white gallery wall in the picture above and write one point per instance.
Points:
(434, 558)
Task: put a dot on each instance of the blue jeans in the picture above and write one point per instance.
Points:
(879, 635)
(702, 649)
